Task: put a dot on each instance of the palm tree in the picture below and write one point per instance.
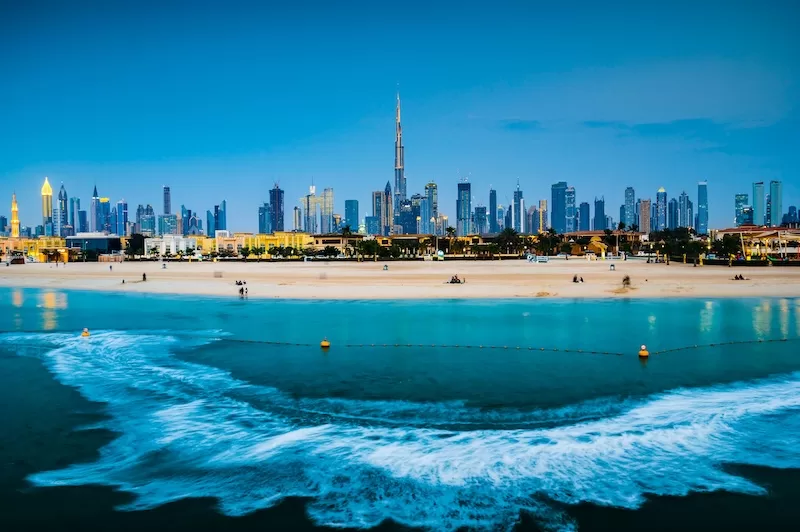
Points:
(245, 252)
(450, 232)
(508, 240)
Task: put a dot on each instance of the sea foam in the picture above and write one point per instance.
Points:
(191, 430)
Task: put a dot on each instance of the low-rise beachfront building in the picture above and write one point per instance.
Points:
(95, 243)
(276, 241)
(346, 245)
(171, 246)
(42, 249)
(760, 242)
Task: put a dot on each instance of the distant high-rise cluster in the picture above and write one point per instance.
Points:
(393, 211)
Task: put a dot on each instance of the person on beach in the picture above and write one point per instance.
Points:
(144, 277)
(574, 278)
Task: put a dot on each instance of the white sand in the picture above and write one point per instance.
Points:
(412, 280)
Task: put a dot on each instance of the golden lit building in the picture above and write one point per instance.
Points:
(42, 249)
(14, 217)
(47, 203)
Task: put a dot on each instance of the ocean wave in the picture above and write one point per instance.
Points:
(191, 430)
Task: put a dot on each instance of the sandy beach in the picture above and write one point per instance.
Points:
(411, 280)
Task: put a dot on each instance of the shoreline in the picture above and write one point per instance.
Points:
(498, 280)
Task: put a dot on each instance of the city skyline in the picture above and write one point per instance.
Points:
(598, 124)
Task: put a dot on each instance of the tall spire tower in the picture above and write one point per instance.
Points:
(14, 217)
(47, 203)
(399, 162)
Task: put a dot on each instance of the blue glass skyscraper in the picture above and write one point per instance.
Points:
(558, 207)
(776, 203)
(351, 214)
(600, 220)
(758, 203)
(571, 212)
(463, 208)
(492, 211)
(630, 207)
(518, 213)
(276, 221)
(702, 208)
(740, 202)
(584, 217)
(661, 210)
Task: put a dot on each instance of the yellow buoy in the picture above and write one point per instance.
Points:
(85, 333)
(643, 353)
(325, 344)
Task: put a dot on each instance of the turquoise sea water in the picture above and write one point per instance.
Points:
(192, 405)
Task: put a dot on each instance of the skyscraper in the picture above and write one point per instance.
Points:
(644, 215)
(702, 208)
(661, 209)
(264, 219)
(571, 212)
(83, 222)
(584, 217)
(558, 207)
(94, 212)
(407, 217)
(747, 215)
(326, 211)
(74, 208)
(543, 216)
(382, 209)
(684, 211)
(426, 220)
(122, 218)
(672, 214)
(221, 216)
(104, 215)
(388, 214)
(47, 206)
(518, 213)
(758, 203)
(351, 214)
(492, 214)
(63, 212)
(740, 202)
(399, 162)
(297, 219)
(276, 208)
(432, 192)
(600, 214)
(481, 221)
(630, 207)
(167, 201)
(776, 203)
(532, 220)
(501, 218)
(14, 216)
(464, 208)
(621, 216)
(791, 216)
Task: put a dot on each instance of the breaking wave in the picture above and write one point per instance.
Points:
(191, 430)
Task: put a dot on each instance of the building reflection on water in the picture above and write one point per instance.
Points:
(17, 298)
(783, 317)
(51, 302)
(762, 319)
(707, 316)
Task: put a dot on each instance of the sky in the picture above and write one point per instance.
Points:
(220, 100)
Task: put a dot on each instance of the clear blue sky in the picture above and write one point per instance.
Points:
(220, 100)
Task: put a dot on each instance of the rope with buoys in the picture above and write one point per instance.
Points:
(325, 345)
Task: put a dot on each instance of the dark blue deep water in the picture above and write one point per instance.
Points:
(177, 414)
